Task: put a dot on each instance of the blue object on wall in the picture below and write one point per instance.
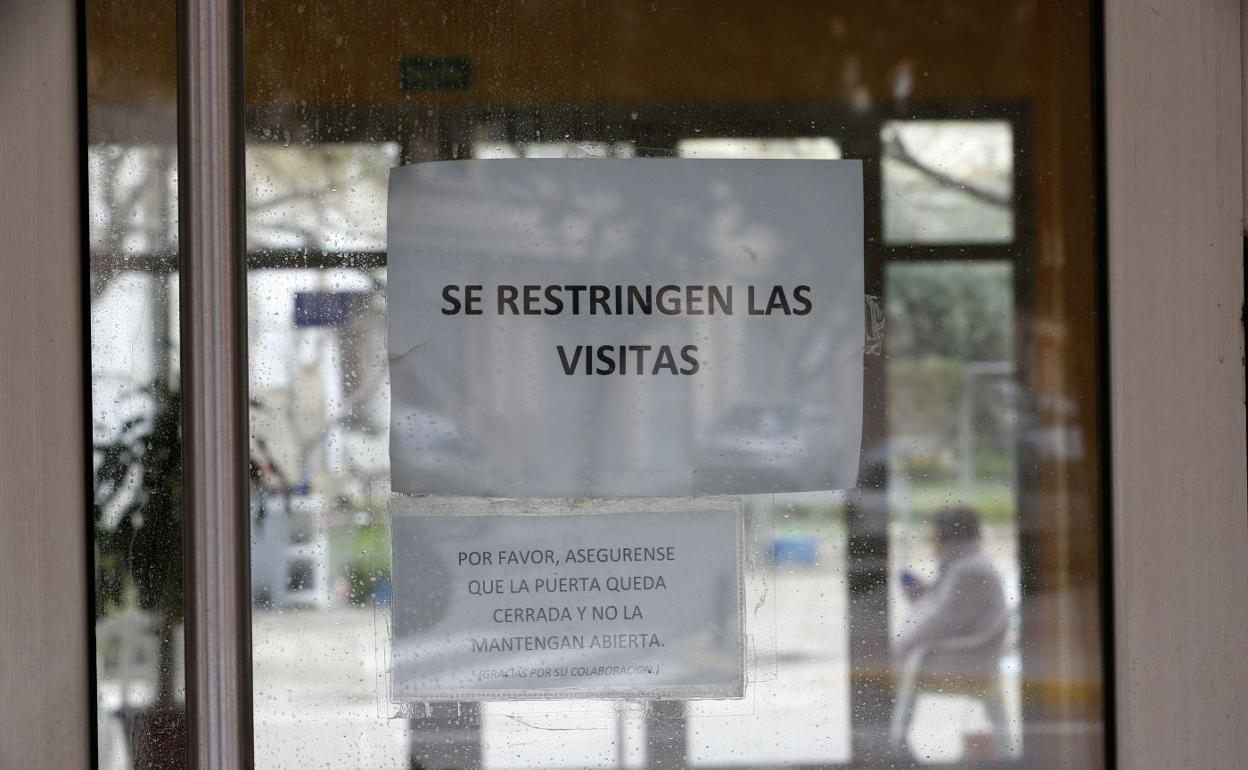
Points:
(795, 549)
(323, 308)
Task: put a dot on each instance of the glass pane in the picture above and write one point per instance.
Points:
(493, 150)
(967, 377)
(811, 148)
(131, 172)
(323, 197)
(954, 424)
(948, 181)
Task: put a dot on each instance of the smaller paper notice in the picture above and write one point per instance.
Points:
(632, 604)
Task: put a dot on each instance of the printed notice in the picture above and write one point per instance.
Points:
(641, 604)
(646, 327)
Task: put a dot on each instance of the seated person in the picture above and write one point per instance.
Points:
(952, 636)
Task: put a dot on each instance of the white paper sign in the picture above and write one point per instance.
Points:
(625, 327)
(637, 604)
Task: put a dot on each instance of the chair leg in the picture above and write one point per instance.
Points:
(903, 706)
(994, 703)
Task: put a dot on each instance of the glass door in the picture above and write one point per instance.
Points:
(945, 608)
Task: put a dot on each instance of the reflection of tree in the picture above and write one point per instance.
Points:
(305, 197)
(950, 342)
(323, 197)
(894, 148)
(132, 209)
(952, 310)
(327, 196)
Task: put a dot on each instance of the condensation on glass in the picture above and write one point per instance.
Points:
(973, 121)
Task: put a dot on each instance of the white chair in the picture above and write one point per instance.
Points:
(969, 665)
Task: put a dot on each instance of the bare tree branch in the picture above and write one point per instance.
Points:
(896, 150)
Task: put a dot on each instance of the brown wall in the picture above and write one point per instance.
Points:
(700, 51)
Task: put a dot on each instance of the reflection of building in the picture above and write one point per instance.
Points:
(290, 552)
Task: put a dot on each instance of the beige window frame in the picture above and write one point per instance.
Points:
(45, 706)
(1179, 517)
(1175, 211)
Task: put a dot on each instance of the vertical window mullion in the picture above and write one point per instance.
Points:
(214, 383)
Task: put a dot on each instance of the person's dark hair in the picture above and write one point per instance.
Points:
(958, 524)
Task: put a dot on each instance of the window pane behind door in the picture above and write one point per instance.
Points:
(130, 167)
(973, 119)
